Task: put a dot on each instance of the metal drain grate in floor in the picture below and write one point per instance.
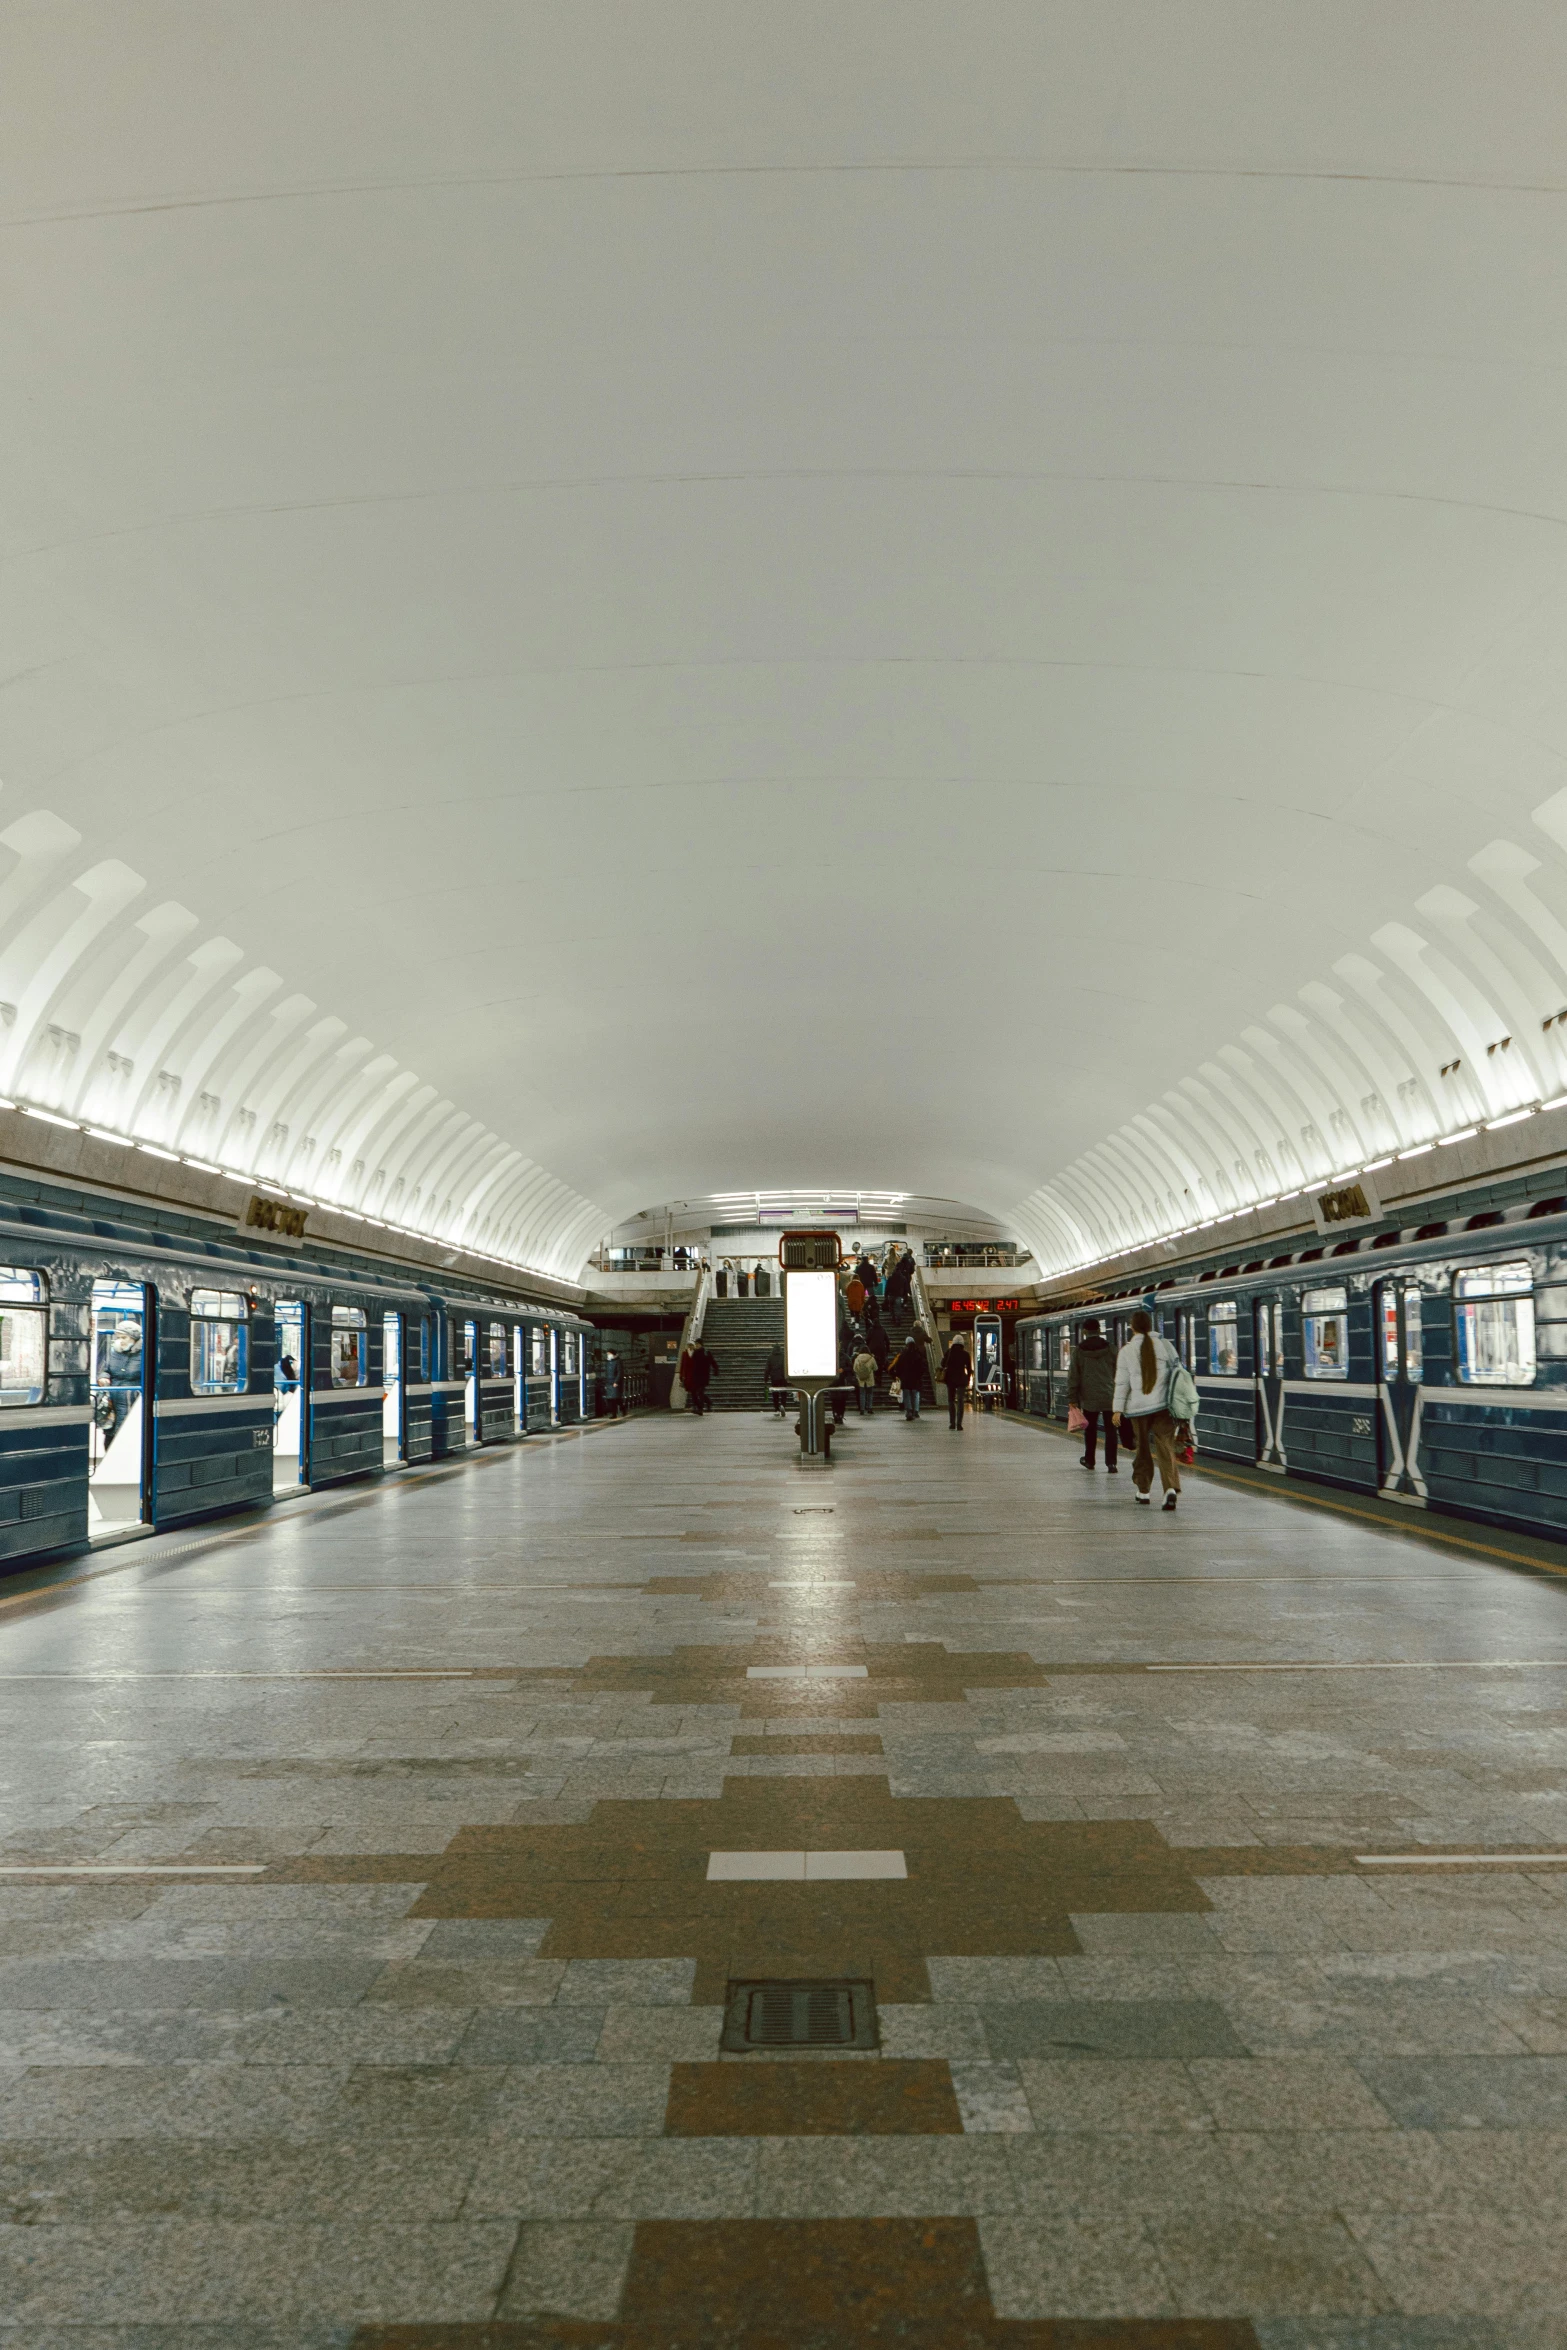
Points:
(833, 2014)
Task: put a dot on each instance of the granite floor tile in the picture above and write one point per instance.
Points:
(567, 2269)
(1338, 2170)
(583, 2101)
(1267, 2267)
(1309, 2091)
(1139, 2094)
(168, 2271)
(1136, 2175)
(72, 2183)
(1495, 2264)
(1466, 2092)
(991, 2099)
(173, 2101)
(466, 1984)
(659, 2035)
(614, 2178)
(882, 2178)
(1107, 2030)
(1073, 2268)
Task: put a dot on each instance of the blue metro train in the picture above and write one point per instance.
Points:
(156, 1368)
(1427, 1366)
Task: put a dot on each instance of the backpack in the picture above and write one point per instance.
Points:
(1183, 1401)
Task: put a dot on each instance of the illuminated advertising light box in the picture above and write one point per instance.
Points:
(811, 1324)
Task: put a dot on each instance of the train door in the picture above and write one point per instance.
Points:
(987, 1360)
(554, 1376)
(119, 1448)
(519, 1377)
(1400, 1363)
(470, 1374)
(290, 1389)
(1268, 1333)
(391, 1390)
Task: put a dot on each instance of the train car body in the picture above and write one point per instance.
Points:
(1427, 1367)
(151, 1376)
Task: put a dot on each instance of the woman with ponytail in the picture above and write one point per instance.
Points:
(1143, 1371)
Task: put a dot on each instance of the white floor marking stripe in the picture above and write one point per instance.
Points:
(807, 1868)
(132, 1868)
(807, 1672)
(1443, 1664)
(1460, 1860)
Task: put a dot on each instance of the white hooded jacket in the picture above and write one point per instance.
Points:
(1129, 1396)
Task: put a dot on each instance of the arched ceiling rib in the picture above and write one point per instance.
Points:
(1464, 1023)
(123, 1019)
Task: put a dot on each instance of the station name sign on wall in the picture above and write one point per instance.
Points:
(273, 1219)
(1355, 1202)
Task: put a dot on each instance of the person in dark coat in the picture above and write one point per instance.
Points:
(865, 1273)
(957, 1370)
(776, 1377)
(696, 1374)
(897, 1289)
(1090, 1384)
(909, 1368)
(879, 1343)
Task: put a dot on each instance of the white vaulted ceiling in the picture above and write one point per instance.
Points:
(607, 602)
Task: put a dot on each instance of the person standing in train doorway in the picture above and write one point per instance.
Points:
(1143, 1371)
(1091, 1386)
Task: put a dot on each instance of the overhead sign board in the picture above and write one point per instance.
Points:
(1354, 1202)
(265, 1218)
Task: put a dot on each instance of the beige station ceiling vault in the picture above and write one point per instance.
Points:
(602, 603)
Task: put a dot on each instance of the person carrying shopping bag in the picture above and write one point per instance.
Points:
(1144, 1371)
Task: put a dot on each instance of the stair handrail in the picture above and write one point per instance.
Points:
(679, 1401)
(925, 1322)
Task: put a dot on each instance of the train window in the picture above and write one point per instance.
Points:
(1064, 1347)
(1414, 1336)
(467, 1336)
(568, 1352)
(538, 1353)
(497, 1350)
(24, 1338)
(1265, 1363)
(1278, 1336)
(348, 1346)
(1325, 1329)
(219, 1342)
(1224, 1338)
(1494, 1309)
(1387, 1322)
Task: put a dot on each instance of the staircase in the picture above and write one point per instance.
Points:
(741, 1332)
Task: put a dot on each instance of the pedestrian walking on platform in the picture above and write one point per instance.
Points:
(610, 1387)
(696, 1372)
(1090, 1386)
(957, 1371)
(1144, 1369)
(865, 1381)
(909, 1368)
(777, 1378)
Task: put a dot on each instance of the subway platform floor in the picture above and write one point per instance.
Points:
(1203, 1870)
